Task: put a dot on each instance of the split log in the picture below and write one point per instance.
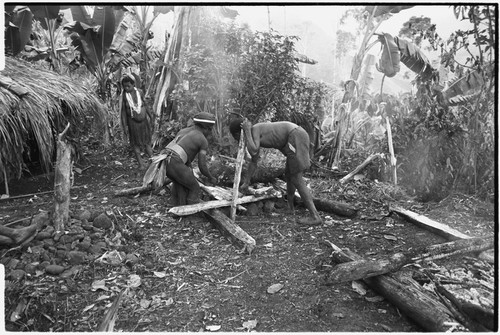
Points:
(202, 206)
(219, 193)
(434, 226)
(391, 151)
(230, 230)
(364, 268)
(407, 295)
(62, 181)
(237, 175)
(360, 167)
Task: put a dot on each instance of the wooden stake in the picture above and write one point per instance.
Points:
(62, 181)
(391, 151)
(237, 176)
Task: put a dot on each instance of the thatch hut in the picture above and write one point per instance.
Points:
(35, 106)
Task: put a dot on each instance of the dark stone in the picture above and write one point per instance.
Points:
(54, 269)
(102, 221)
(85, 215)
(49, 229)
(76, 257)
(43, 265)
(17, 274)
(65, 239)
(43, 235)
(252, 210)
(268, 206)
(61, 253)
(132, 259)
(30, 268)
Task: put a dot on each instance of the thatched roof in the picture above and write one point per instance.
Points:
(37, 104)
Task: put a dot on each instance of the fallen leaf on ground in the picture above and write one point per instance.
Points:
(134, 281)
(376, 298)
(213, 328)
(160, 274)
(99, 285)
(338, 315)
(274, 288)
(390, 237)
(251, 324)
(358, 287)
(88, 307)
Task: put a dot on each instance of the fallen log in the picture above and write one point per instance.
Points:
(434, 226)
(364, 268)
(134, 190)
(230, 230)
(404, 293)
(202, 206)
(324, 205)
(359, 168)
(336, 207)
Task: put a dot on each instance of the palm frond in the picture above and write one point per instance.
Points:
(51, 100)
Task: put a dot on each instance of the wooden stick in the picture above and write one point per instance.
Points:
(391, 151)
(6, 183)
(237, 175)
(424, 222)
(202, 206)
(360, 167)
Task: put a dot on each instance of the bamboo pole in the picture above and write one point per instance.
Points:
(391, 150)
(237, 176)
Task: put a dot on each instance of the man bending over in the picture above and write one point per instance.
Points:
(293, 141)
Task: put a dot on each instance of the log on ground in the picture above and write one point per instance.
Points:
(230, 230)
(133, 190)
(335, 207)
(364, 268)
(431, 225)
(202, 206)
(406, 294)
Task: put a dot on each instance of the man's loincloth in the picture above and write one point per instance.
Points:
(297, 151)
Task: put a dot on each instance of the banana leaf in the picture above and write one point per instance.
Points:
(414, 58)
(18, 30)
(461, 86)
(162, 10)
(381, 10)
(79, 14)
(389, 61)
(40, 13)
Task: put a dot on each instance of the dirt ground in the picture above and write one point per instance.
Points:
(181, 275)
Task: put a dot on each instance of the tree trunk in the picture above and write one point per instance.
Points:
(364, 268)
(62, 182)
(406, 295)
(230, 230)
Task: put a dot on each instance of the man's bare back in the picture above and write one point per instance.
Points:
(192, 141)
(273, 134)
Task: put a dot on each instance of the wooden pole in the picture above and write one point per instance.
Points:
(391, 151)
(237, 176)
(62, 182)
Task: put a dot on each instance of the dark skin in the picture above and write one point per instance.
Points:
(194, 141)
(129, 87)
(275, 135)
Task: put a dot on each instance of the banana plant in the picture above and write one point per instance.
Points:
(18, 25)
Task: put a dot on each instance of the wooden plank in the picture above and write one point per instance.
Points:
(202, 206)
(407, 295)
(237, 175)
(220, 193)
(364, 268)
(434, 226)
(230, 230)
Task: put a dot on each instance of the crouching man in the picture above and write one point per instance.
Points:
(293, 141)
(181, 151)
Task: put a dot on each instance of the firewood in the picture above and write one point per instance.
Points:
(230, 230)
(434, 226)
(202, 206)
(364, 268)
(134, 190)
(407, 295)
